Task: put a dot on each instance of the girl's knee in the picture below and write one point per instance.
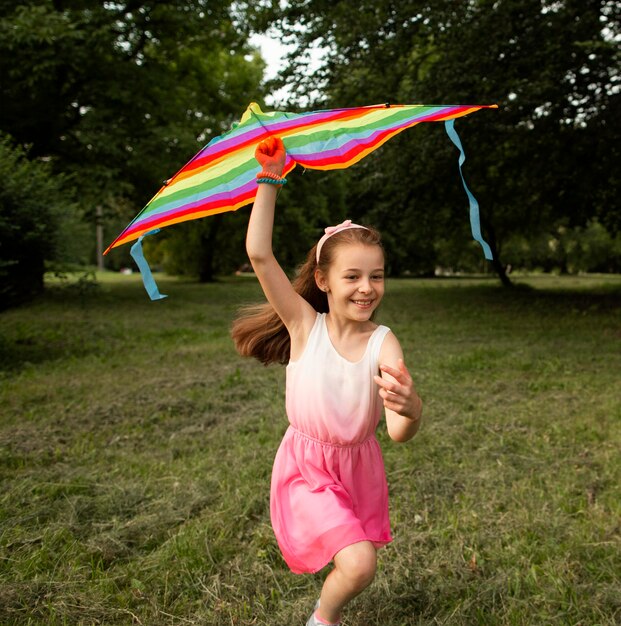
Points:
(358, 563)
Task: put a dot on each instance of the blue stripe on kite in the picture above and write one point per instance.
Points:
(190, 204)
(235, 183)
(335, 142)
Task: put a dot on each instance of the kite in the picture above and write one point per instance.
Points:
(222, 176)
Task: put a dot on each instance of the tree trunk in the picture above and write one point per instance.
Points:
(22, 279)
(208, 245)
(501, 270)
(498, 266)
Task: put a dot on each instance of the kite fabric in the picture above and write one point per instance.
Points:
(222, 176)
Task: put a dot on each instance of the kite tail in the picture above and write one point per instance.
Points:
(145, 270)
(475, 224)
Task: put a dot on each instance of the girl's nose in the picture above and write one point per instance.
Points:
(365, 286)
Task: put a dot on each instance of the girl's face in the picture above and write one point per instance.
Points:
(355, 281)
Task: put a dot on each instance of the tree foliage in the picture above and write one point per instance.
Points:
(550, 153)
(38, 223)
(114, 97)
(118, 95)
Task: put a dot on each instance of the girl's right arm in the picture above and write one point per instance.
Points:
(295, 312)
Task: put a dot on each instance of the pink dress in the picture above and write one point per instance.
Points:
(328, 483)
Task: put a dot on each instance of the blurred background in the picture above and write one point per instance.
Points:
(102, 101)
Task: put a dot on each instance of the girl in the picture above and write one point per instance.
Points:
(329, 499)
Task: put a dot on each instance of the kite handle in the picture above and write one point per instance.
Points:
(475, 224)
(145, 270)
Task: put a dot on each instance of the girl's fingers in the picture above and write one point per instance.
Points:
(402, 374)
(390, 370)
(403, 368)
(392, 402)
(271, 145)
(389, 390)
(399, 394)
(386, 384)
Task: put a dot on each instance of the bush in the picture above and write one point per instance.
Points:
(568, 250)
(37, 217)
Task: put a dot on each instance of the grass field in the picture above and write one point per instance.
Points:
(136, 449)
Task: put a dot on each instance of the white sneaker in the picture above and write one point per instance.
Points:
(312, 620)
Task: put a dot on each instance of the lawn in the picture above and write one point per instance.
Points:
(136, 450)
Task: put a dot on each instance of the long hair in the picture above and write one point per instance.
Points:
(258, 331)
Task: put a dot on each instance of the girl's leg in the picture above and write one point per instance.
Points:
(354, 570)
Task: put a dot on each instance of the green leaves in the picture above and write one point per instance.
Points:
(37, 219)
(548, 154)
(117, 96)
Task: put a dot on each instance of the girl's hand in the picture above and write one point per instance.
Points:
(399, 395)
(270, 154)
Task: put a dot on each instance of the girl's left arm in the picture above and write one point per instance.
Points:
(402, 404)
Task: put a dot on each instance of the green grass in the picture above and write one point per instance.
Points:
(136, 450)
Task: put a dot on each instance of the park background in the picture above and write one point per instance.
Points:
(136, 446)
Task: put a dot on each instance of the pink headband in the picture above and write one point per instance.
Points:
(332, 230)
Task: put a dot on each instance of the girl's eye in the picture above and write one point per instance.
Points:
(378, 277)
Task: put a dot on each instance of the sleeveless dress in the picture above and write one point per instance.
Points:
(329, 486)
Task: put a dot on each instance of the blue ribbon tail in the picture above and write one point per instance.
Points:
(475, 224)
(145, 270)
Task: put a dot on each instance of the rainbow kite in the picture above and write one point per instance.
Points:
(222, 176)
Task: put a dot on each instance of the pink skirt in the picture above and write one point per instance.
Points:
(325, 497)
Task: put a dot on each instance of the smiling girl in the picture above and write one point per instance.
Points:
(329, 498)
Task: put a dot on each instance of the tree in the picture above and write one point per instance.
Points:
(118, 95)
(37, 223)
(551, 151)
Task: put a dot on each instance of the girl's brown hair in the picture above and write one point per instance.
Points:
(259, 332)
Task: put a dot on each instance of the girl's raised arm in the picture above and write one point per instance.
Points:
(295, 312)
